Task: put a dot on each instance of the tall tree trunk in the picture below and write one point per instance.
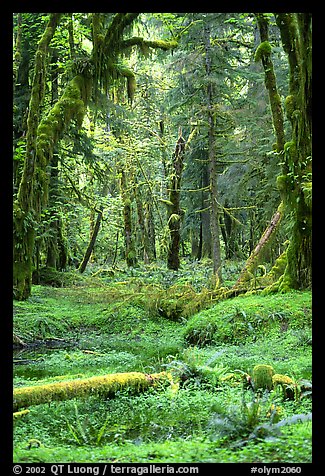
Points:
(174, 209)
(56, 248)
(130, 252)
(92, 241)
(150, 226)
(263, 53)
(205, 230)
(296, 184)
(214, 212)
(144, 237)
(26, 206)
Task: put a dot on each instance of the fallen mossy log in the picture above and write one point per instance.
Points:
(20, 414)
(104, 385)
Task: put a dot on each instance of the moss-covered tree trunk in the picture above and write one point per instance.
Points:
(296, 184)
(147, 249)
(151, 231)
(57, 255)
(263, 53)
(173, 207)
(26, 206)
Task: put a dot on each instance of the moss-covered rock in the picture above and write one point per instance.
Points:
(288, 386)
(262, 377)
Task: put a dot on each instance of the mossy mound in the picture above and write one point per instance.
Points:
(249, 317)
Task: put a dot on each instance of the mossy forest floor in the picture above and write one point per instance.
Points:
(208, 413)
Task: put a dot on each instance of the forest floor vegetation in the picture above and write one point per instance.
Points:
(210, 410)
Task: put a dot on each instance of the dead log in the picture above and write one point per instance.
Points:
(104, 386)
(17, 340)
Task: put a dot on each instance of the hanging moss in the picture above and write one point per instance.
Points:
(72, 105)
(264, 49)
(130, 77)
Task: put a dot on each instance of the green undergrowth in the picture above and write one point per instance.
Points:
(208, 413)
(183, 425)
(250, 317)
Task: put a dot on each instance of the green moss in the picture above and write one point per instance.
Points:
(290, 149)
(307, 188)
(262, 377)
(162, 44)
(264, 49)
(289, 106)
(288, 386)
(276, 272)
(104, 385)
(284, 184)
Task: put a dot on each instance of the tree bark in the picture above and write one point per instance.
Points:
(144, 237)
(263, 53)
(214, 212)
(296, 183)
(174, 209)
(94, 235)
(130, 252)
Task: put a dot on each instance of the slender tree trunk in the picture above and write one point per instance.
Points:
(94, 235)
(92, 241)
(56, 248)
(150, 226)
(144, 237)
(174, 209)
(130, 253)
(205, 229)
(214, 212)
